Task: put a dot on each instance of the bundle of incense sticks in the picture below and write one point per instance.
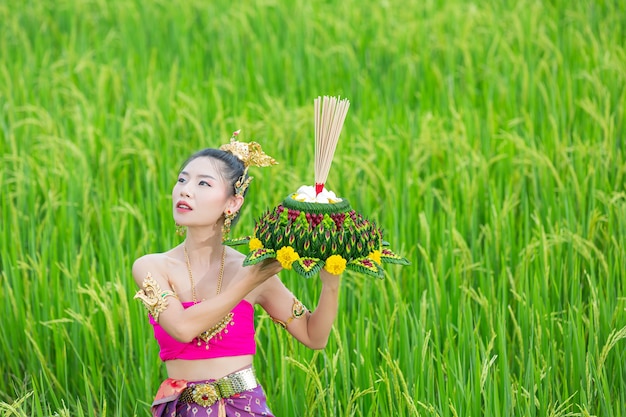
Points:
(330, 113)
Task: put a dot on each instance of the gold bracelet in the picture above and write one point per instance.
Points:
(297, 311)
(153, 298)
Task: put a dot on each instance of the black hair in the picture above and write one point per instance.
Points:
(234, 169)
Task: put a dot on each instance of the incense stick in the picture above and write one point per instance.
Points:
(330, 114)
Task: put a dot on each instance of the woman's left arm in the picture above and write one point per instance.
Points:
(310, 328)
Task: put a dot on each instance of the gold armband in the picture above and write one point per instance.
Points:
(153, 298)
(297, 311)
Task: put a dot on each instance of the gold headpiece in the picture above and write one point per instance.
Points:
(250, 154)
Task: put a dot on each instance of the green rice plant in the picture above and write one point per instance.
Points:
(486, 139)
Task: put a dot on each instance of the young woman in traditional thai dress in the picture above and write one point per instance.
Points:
(201, 299)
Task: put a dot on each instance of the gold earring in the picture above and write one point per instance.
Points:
(180, 230)
(228, 218)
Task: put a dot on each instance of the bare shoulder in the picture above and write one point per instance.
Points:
(155, 264)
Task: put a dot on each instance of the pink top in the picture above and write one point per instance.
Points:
(237, 338)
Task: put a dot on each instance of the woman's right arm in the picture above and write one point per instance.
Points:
(186, 324)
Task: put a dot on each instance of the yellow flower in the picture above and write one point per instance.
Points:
(375, 256)
(335, 264)
(255, 244)
(286, 256)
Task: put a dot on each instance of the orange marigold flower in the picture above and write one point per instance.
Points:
(335, 264)
(375, 256)
(255, 244)
(286, 256)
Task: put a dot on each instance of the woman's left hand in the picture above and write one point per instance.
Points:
(329, 280)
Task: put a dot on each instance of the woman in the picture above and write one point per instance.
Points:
(201, 299)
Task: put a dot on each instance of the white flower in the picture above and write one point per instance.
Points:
(306, 193)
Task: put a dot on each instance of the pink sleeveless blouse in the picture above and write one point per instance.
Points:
(236, 339)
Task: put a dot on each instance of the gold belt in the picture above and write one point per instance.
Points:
(208, 393)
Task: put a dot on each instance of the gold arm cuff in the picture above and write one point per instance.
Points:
(297, 311)
(153, 298)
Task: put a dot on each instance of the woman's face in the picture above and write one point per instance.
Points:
(201, 194)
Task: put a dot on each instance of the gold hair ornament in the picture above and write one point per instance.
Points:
(250, 154)
(153, 298)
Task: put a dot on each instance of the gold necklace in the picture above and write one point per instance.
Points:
(220, 276)
(228, 319)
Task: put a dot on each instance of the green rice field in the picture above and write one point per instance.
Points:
(486, 138)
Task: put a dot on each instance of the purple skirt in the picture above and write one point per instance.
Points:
(246, 403)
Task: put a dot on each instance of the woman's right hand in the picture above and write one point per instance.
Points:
(264, 270)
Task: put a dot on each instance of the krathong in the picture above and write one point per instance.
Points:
(313, 228)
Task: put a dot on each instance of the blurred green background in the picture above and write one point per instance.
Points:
(486, 138)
